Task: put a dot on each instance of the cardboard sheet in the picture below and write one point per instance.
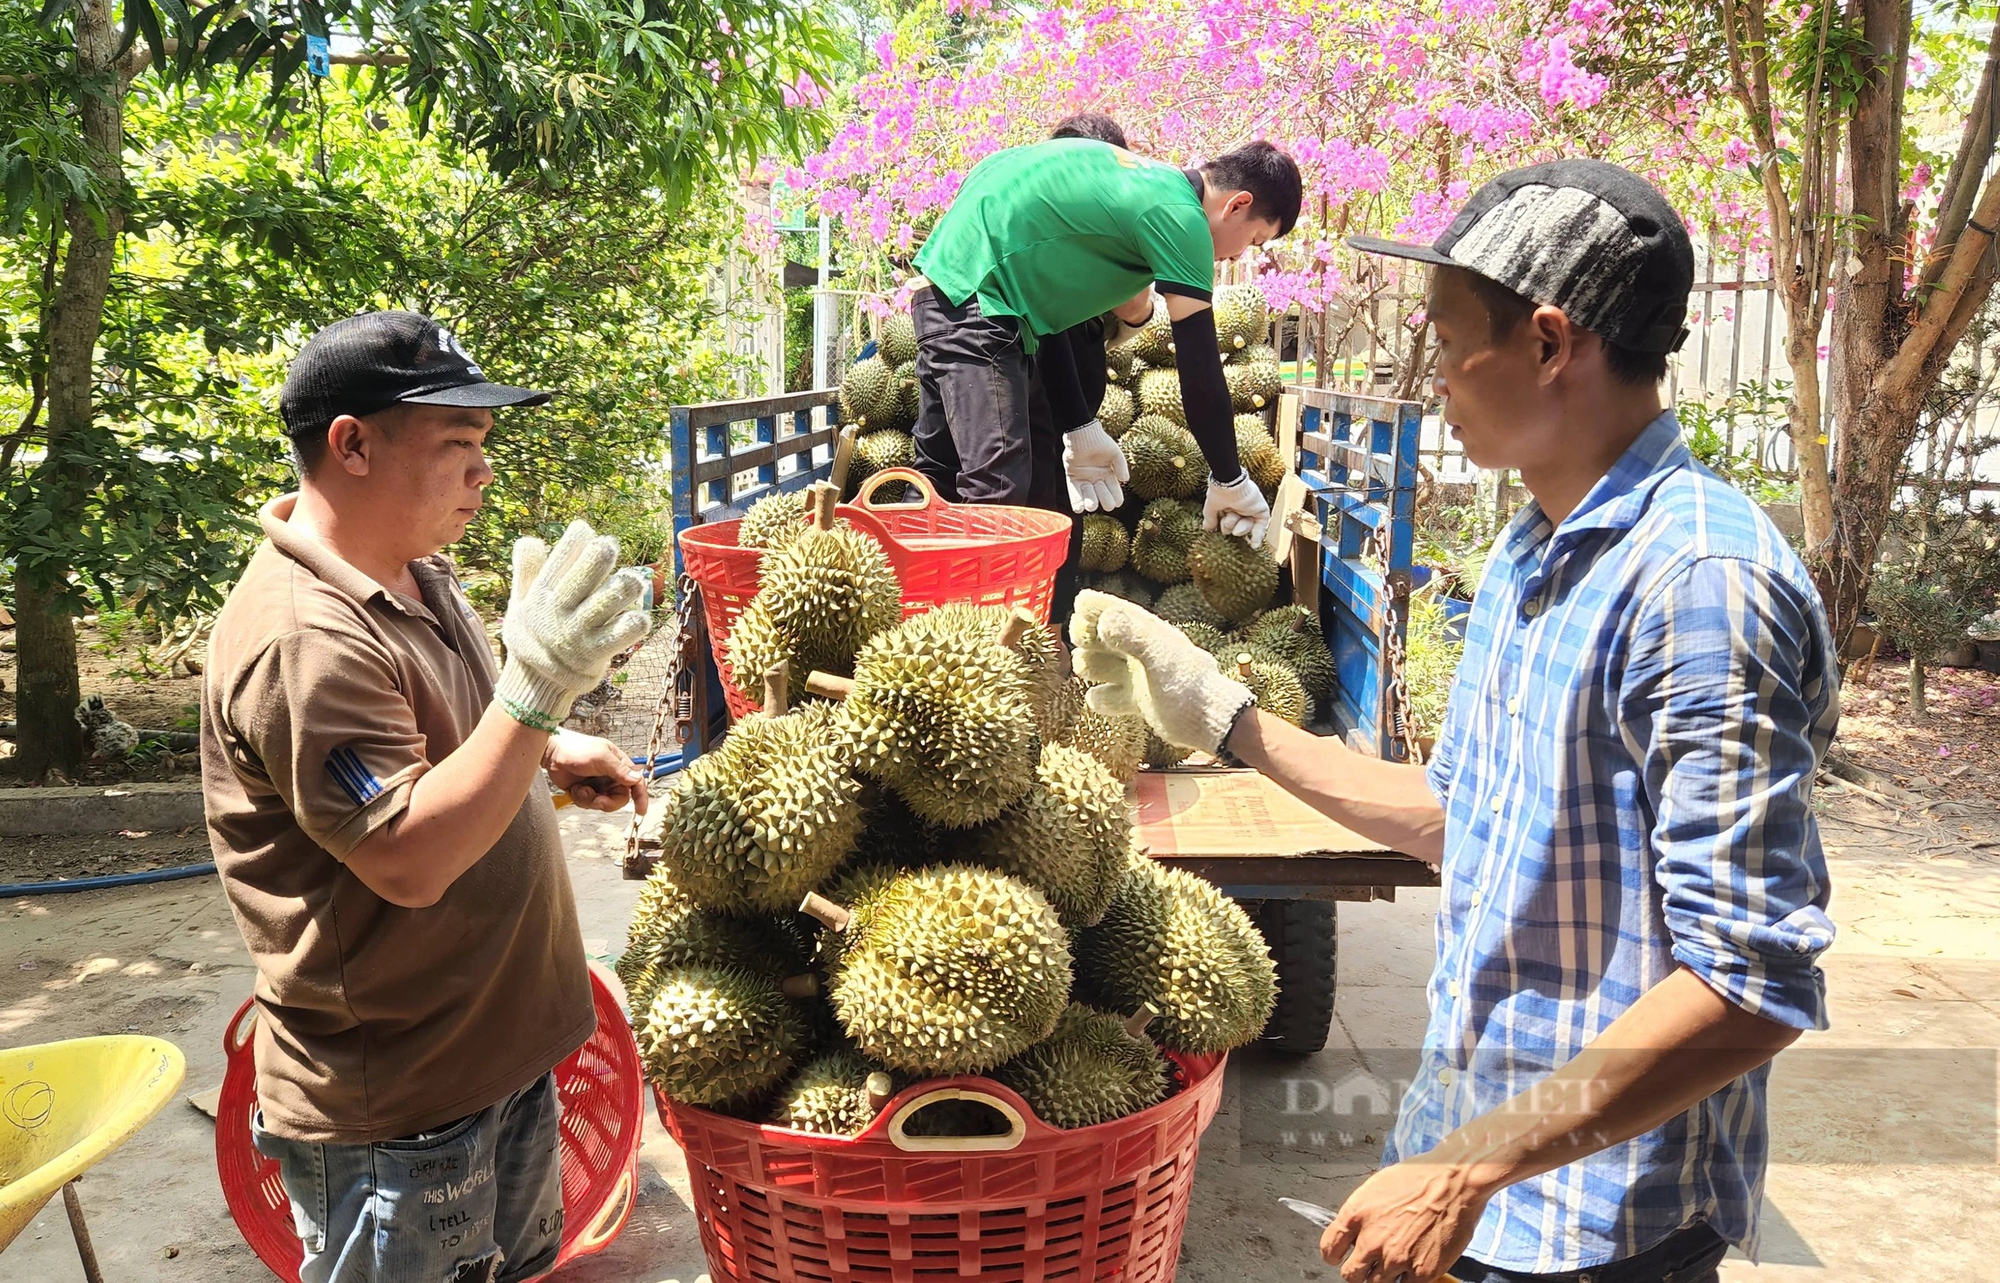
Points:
(1223, 812)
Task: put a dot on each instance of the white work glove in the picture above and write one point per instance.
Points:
(1142, 664)
(1237, 509)
(568, 617)
(1095, 468)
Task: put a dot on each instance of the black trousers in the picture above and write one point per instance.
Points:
(1691, 1255)
(985, 433)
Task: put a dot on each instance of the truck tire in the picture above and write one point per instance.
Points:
(1303, 937)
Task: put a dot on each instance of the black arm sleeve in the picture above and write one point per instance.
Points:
(1205, 395)
(1055, 365)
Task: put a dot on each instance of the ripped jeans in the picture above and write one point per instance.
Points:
(475, 1201)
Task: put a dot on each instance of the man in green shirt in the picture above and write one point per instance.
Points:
(1044, 237)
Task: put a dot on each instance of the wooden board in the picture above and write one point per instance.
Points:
(1235, 813)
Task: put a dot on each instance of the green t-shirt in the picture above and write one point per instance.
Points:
(1058, 232)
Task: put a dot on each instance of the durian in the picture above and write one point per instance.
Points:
(1118, 741)
(945, 715)
(1116, 411)
(1183, 604)
(774, 521)
(754, 824)
(877, 452)
(868, 392)
(953, 969)
(1118, 363)
(1167, 529)
(1160, 755)
(1258, 452)
(1067, 837)
(820, 598)
(1164, 459)
(1291, 636)
(1105, 543)
(1160, 396)
(1126, 585)
(1235, 579)
(899, 338)
(837, 1094)
(1091, 1070)
(1276, 687)
(1253, 385)
(1242, 317)
(715, 1035)
(670, 931)
(1154, 343)
(1172, 940)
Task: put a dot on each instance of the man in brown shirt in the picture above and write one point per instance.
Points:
(372, 783)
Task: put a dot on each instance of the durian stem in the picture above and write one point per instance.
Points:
(843, 456)
(777, 689)
(1135, 1024)
(825, 496)
(880, 1088)
(828, 686)
(829, 913)
(1243, 664)
(1017, 627)
(800, 986)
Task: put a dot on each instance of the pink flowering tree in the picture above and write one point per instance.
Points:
(1394, 111)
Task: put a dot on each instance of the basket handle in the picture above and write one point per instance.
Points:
(865, 496)
(237, 1035)
(609, 1220)
(1017, 1124)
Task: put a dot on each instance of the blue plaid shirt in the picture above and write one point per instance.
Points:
(1626, 767)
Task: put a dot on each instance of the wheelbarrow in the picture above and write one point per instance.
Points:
(64, 1106)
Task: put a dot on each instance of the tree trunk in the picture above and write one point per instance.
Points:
(1807, 421)
(46, 633)
(1918, 709)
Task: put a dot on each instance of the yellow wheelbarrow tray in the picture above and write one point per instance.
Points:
(64, 1106)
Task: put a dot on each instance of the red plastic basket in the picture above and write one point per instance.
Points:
(1037, 1205)
(603, 1093)
(987, 554)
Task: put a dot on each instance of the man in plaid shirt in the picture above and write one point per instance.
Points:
(1633, 893)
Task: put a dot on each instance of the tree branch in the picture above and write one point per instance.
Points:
(1975, 149)
(1944, 312)
(140, 57)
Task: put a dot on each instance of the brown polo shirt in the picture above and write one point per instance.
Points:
(326, 697)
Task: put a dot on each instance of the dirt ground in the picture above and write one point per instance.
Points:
(1884, 1127)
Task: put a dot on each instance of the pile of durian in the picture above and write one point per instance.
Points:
(926, 867)
(878, 399)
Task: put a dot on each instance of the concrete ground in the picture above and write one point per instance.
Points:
(1884, 1127)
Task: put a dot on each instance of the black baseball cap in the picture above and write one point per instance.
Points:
(1586, 236)
(379, 359)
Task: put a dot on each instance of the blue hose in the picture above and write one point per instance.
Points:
(11, 889)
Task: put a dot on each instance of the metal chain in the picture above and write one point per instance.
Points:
(1402, 719)
(676, 695)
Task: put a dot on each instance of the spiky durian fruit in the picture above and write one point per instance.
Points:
(899, 338)
(1235, 579)
(1105, 543)
(878, 452)
(1164, 460)
(1291, 636)
(1253, 385)
(1258, 452)
(715, 1035)
(868, 392)
(755, 824)
(1207, 636)
(1037, 645)
(820, 598)
(1067, 837)
(1256, 354)
(1119, 741)
(855, 889)
(1242, 317)
(669, 931)
(1167, 529)
(1276, 687)
(774, 521)
(1091, 1070)
(1173, 940)
(952, 969)
(1116, 411)
(1160, 755)
(1183, 604)
(837, 1094)
(893, 834)
(1154, 343)
(1126, 585)
(946, 716)
(1118, 363)
(1160, 396)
